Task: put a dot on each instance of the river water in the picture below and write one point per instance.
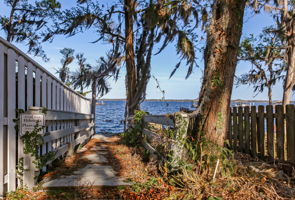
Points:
(109, 117)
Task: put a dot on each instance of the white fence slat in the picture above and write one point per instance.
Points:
(30, 85)
(61, 106)
(44, 92)
(21, 83)
(1, 119)
(21, 96)
(58, 96)
(54, 95)
(11, 115)
(37, 87)
(49, 81)
(68, 101)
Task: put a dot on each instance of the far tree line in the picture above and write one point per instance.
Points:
(133, 28)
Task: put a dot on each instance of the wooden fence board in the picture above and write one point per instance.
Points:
(49, 93)
(247, 128)
(261, 131)
(253, 131)
(235, 128)
(30, 85)
(61, 115)
(290, 123)
(44, 90)
(11, 73)
(230, 131)
(270, 131)
(21, 97)
(240, 128)
(53, 95)
(37, 88)
(2, 150)
(280, 132)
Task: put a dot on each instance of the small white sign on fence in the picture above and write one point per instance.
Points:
(29, 121)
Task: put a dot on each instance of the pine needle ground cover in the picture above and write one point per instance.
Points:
(251, 179)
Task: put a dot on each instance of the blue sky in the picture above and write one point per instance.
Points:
(175, 88)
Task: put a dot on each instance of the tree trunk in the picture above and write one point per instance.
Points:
(223, 37)
(289, 24)
(93, 102)
(269, 95)
(93, 99)
(129, 9)
(290, 77)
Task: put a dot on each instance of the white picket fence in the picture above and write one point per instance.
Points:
(24, 83)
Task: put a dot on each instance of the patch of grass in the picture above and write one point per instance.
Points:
(150, 183)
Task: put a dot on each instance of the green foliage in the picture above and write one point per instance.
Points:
(150, 183)
(44, 110)
(32, 141)
(16, 195)
(20, 170)
(133, 135)
(26, 21)
(68, 57)
(16, 120)
(266, 54)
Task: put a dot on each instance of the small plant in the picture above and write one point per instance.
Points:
(19, 194)
(32, 141)
(133, 136)
(20, 170)
(150, 183)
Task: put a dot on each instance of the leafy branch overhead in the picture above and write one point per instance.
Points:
(26, 22)
(137, 28)
(266, 53)
(68, 58)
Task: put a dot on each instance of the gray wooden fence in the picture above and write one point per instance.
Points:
(264, 131)
(24, 83)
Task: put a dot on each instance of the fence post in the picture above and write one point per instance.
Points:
(253, 131)
(280, 132)
(30, 170)
(290, 119)
(2, 120)
(230, 131)
(11, 88)
(240, 128)
(261, 131)
(247, 129)
(235, 127)
(270, 131)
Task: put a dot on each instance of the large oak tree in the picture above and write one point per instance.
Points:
(220, 58)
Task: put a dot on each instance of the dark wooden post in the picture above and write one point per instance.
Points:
(270, 131)
(235, 127)
(261, 131)
(240, 127)
(247, 129)
(290, 119)
(253, 131)
(230, 132)
(280, 132)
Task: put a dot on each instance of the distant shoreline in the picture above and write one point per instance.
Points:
(195, 100)
(166, 100)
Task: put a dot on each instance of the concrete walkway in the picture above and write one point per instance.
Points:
(97, 173)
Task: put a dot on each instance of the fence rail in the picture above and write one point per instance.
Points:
(265, 132)
(24, 83)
